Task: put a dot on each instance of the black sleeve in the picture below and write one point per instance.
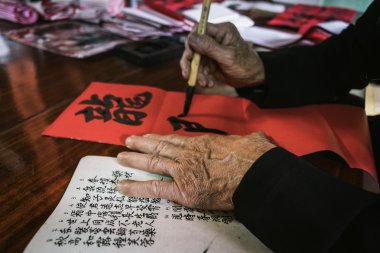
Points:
(285, 201)
(322, 73)
(292, 206)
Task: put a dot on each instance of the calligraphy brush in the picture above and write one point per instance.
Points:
(201, 29)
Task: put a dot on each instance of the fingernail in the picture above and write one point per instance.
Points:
(121, 186)
(121, 156)
(128, 141)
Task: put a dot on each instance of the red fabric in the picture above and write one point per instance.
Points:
(303, 19)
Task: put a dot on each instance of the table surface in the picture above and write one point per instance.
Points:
(35, 87)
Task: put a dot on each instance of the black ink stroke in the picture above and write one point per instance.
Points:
(189, 126)
(123, 113)
(139, 101)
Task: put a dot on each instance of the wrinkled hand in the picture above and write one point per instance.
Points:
(226, 58)
(206, 169)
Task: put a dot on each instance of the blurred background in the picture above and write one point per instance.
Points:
(360, 5)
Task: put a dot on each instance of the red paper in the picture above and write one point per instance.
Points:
(304, 19)
(115, 111)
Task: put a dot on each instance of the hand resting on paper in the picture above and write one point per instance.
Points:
(206, 169)
(226, 58)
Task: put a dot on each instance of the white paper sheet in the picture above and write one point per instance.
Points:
(269, 38)
(147, 16)
(334, 26)
(219, 14)
(242, 22)
(259, 5)
(93, 217)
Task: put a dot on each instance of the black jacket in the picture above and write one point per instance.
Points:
(285, 201)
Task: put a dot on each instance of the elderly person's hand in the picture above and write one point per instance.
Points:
(206, 170)
(226, 58)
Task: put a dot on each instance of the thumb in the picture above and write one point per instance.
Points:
(205, 45)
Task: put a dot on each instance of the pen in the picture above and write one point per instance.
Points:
(201, 29)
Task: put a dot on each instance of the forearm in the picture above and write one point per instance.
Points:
(294, 207)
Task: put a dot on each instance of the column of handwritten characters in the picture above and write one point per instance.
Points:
(101, 217)
(189, 214)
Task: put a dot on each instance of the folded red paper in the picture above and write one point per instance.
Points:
(108, 113)
(304, 19)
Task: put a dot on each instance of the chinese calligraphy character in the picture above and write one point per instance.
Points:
(118, 109)
(189, 126)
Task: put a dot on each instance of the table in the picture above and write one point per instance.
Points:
(35, 87)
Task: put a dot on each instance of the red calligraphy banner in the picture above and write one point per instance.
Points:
(108, 113)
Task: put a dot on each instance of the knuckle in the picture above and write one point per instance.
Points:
(207, 45)
(224, 26)
(192, 34)
(211, 82)
(230, 26)
(153, 162)
(161, 147)
(193, 38)
(261, 135)
(156, 188)
(230, 55)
